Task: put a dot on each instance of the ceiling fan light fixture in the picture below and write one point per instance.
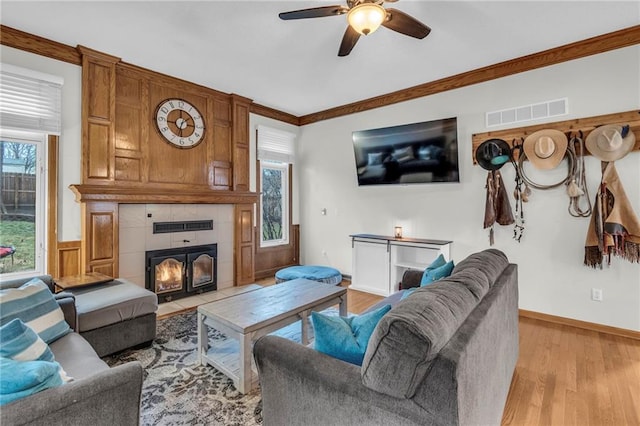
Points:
(365, 18)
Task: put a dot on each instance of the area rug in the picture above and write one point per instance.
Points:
(176, 391)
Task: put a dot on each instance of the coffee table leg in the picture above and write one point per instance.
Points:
(244, 382)
(343, 305)
(304, 327)
(203, 339)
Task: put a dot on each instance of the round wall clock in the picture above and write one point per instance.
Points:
(179, 123)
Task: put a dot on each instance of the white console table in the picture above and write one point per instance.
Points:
(379, 262)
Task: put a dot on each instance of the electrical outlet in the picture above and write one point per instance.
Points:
(596, 294)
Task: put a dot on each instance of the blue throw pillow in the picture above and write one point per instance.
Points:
(440, 261)
(345, 338)
(23, 378)
(408, 292)
(35, 305)
(431, 275)
(19, 342)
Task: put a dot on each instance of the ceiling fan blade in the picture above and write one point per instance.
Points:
(349, 40)
(405, 24)
(314, 12)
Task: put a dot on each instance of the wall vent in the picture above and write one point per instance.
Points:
(184, 226)
(523, 113)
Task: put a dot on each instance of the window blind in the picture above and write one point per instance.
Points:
(30, 100)
(276, 145)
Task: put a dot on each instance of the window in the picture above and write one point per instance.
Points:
(276, 156)
(22, 204)
(30, 109)
(274, 205)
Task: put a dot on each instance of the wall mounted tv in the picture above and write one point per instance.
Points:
(412, 153)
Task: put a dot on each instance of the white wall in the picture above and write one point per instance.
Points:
(553, 279)
(70, 139)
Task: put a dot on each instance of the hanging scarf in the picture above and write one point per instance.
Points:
(497, 207)
(614, 228)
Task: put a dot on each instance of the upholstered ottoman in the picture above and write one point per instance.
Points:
(322, 274)
(116, 315)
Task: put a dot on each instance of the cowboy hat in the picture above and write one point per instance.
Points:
(545, 149)
(610, 142)
(492, 154)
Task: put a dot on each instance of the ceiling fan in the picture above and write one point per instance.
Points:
(364, 17)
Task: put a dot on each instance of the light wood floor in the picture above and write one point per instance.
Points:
(571, 376)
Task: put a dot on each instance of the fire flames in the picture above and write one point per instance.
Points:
(169, 276)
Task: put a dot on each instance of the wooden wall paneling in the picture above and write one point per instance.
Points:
(220, 150)
(100, 236)
(244, 246)
(586, 125)
(130, 123)
(52, 205)
(169, 164)
(240, 108)
(98, 115)
(68, 259)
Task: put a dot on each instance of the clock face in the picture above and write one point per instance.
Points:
(180, 123)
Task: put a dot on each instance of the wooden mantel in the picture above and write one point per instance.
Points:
(137, 195)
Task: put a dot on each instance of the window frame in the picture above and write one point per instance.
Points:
(286, 203)
(42, 219)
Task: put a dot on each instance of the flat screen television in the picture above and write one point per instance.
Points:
(408, 154)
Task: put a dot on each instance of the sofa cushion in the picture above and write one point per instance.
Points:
(490, 262)
(474, 279)
(19, 342)
(23, 378)
(410, 336)
(108, 304)
(345, 338)
(76, 356)
(36, 306)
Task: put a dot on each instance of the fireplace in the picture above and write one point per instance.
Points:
(179, 272)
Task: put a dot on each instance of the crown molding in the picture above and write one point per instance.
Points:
(269, 112)
(568, 52)
(591, 46)
(39, 45)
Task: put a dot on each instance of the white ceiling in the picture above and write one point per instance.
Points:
(243, 47)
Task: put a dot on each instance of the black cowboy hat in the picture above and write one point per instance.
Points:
(492, 154)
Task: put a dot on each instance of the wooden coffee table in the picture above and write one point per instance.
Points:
(247, 316)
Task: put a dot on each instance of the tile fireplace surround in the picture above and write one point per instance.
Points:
(136, 235)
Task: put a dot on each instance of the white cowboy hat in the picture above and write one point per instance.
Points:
(545, 149)
(610, 142)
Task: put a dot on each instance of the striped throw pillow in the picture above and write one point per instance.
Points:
(35, 305)
(19, 342)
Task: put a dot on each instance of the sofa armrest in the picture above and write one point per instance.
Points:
(110, 397)
(303, 386)
(411, 278)
(67, 303)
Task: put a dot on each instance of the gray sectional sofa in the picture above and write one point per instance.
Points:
(445, 355)
(97, 396)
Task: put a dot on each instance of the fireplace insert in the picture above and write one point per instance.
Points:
(179, 272)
